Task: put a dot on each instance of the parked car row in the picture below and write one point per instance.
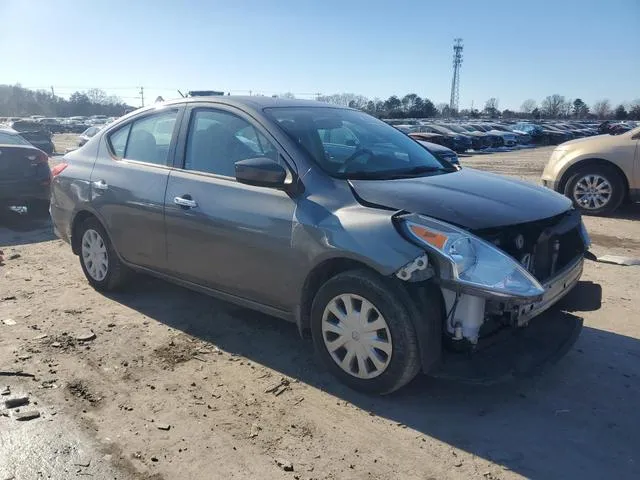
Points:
(481, 135)
(75, 124)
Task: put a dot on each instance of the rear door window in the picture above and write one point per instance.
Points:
(145, 140)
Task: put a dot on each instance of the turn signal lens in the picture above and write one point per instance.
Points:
(432, 238)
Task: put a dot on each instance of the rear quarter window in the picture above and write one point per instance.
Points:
(118, 140)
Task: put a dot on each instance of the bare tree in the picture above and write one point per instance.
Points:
(442, 107)
(602, 108)
(345, 99)
(553, 105)
(567, 108)
(528, 106)
(491, 107)
(491, 103)
(96, 95)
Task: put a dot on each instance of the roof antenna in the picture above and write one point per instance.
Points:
(180, 93)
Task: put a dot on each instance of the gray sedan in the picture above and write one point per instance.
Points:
(324, 216)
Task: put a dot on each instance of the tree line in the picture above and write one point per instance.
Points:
(16, 101)
(553, 106)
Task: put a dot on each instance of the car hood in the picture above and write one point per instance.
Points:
(598, 140)
(469, 198)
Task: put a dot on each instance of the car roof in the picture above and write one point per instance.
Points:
(255, 102)
(8, 131)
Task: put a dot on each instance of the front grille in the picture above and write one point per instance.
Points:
(544, 247)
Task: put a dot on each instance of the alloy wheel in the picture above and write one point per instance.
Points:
(356, 336)
(592, 192)
(94, 255)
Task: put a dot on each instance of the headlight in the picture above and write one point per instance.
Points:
(473, 261)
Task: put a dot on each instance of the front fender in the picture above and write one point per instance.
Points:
(355, 232)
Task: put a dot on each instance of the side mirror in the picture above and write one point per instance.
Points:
(261, 172)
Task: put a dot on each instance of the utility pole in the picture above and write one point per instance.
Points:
(455, 82)
(142, 95)
(53, 94)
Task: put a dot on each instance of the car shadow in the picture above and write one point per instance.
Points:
(578, 420)
(17, 227)
(629, 211)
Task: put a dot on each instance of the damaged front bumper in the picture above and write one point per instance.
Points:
(469, 307)
(554, 290)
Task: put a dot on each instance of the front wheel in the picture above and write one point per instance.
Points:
(596, 190)
(364, 334)
(98, 259)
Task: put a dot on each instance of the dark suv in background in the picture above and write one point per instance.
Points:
(35, 133)
(25, 177)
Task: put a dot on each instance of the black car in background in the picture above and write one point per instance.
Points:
(479, 140)
(456, 142)
(495, 139)
(443, 153)
(542, 135)
(25, 178)
(35, 133)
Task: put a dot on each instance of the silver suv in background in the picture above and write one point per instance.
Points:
(324, 216)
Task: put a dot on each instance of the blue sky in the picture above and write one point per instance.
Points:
(514, 50)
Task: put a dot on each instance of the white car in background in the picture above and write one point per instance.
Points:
(510, 138)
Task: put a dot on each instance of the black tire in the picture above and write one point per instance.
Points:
(117, 273)
(404, 361)
(618, 192)
(38, 208)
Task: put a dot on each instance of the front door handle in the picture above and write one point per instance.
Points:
(100, 185)
(185, 201)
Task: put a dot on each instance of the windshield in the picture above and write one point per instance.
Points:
(351, 144)
(456, 128)
(12, 139)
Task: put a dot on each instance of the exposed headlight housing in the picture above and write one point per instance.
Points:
(473, 262)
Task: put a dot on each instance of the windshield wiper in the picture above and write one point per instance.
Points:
(394, 174)
(415, 171)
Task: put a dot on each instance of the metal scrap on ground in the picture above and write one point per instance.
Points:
(619, 260)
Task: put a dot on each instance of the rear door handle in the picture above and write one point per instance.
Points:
(185, 201)
(100, 185)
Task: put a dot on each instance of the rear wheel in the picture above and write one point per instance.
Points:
(596, 189)
(364, 334)
(100, 263)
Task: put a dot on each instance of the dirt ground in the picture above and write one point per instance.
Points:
(163, 383)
